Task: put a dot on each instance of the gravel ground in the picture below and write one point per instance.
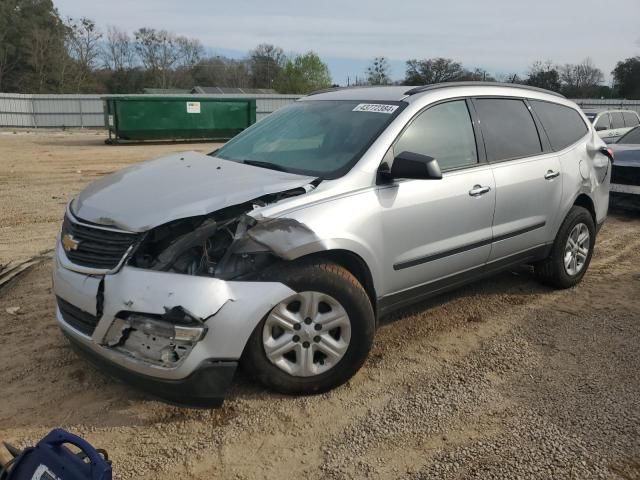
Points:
(501, 379)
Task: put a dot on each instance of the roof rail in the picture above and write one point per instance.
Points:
(335, 89)
(436, 86)
(325, 90)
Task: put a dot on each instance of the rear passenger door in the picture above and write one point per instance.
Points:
(526, 173)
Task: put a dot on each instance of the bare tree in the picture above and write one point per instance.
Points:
(378, 72)
(158, 52)
(190, 51)
(476, 75)
(580, 80)
(222, 72)
(432, 70)
(46, 75)
(83, 44)
(118, 53)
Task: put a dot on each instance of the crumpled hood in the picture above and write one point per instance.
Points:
(176, 186)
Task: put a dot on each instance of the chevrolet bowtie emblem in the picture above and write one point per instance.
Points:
(69, 243)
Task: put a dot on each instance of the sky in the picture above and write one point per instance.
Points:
(501, 36)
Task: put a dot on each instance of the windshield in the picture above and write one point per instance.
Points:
(632, 137)
(323, 138)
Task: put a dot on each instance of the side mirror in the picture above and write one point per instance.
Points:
(412, 165)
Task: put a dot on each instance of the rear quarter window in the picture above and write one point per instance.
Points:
(508, 128)
(630, 119)
(564, 125)
(617, 120)
(603, 122)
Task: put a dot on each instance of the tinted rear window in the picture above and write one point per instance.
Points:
(616, 120)
(630, 119)
(508, 129)
(564, 126)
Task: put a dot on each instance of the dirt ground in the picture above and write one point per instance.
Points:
(501, 379)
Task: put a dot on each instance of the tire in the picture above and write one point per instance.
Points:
(325, 285)
(553, 270)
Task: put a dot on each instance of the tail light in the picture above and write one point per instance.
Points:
(608, 152)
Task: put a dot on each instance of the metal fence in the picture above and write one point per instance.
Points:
(62, 111)
(42, 111)
(608, 104)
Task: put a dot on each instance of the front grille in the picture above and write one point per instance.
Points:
(79, 319)
(96, 248)
(625, 175)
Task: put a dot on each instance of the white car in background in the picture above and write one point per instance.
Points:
(612, 124)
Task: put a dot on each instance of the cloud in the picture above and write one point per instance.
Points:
(502, 35)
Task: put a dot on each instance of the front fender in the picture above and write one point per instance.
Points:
(350, 223)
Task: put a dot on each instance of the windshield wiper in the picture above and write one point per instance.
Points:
(260, 163)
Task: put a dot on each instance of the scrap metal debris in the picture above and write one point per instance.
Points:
(10, 271)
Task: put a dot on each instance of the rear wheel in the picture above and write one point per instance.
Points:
(316, 339)
(571, 252)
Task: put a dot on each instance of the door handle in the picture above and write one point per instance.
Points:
(478, 190)
(550, 175)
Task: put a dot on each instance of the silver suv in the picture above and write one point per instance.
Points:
(284, 247)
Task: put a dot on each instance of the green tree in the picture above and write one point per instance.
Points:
(266, 62)
(626, 77)
(32, 46)
(544, 75)
(304, 74)
(432, 70)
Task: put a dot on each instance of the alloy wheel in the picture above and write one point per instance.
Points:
(576, 250)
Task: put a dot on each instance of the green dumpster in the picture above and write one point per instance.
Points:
(164, 117)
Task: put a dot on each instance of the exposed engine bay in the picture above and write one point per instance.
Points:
(215, 245)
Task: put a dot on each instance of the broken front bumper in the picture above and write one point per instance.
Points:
(94, 311)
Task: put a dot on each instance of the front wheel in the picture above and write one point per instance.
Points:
(571, 252)
(316, 339)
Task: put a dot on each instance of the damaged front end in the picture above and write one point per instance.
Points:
(183, 300)
(228, 244)
(163, 340)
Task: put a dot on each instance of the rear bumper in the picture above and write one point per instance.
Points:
(205, 387)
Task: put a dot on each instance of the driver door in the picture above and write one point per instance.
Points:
(435, 229)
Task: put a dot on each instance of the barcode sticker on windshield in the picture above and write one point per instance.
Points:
(376, 108)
